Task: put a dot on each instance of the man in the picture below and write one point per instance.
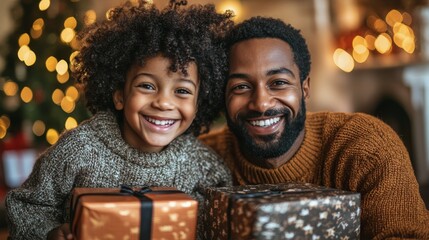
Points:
(272, 139)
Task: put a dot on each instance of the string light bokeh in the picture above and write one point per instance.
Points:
(381, 37)
(35, 94)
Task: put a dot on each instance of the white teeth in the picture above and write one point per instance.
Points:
(160, 122)
(266, 122)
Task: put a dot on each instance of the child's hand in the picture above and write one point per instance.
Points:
(60, 233)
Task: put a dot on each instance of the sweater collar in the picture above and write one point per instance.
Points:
(108, 131)
(302, 164)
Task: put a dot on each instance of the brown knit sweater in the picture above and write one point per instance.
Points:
(354, 152)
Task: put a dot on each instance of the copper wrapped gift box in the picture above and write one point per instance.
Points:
(281, 211)
(147, 213)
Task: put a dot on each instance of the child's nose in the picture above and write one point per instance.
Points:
(163, 102)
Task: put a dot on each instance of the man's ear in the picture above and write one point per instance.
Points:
(118, 99)
(306, 88)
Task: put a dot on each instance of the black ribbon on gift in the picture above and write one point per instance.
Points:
(146, 206)
(146, 209)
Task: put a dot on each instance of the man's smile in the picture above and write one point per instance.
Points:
(265, 122)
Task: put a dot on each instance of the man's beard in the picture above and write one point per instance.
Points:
(273, 145)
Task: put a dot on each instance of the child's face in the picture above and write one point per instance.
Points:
(158, 105)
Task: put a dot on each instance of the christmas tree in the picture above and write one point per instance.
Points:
(37, 93)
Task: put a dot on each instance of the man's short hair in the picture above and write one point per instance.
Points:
(264, 27)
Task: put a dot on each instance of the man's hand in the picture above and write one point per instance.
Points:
(60, 233)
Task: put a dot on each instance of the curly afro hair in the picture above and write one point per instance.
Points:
(265, 27)
(134, 32)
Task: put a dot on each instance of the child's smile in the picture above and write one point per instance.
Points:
(160, 125)
(160, 122)
(158, 105)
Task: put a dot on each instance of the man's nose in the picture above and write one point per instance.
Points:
(261, 100)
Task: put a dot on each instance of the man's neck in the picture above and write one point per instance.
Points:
(278, 161)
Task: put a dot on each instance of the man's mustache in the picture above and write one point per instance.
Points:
(269, 113)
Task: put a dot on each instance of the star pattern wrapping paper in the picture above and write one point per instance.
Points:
(281, 211)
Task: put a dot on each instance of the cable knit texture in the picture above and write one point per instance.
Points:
(95, 155)
(354, 152)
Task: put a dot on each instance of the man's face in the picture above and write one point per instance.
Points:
(264, 97)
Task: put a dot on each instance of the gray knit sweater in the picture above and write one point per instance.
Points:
(95, 155)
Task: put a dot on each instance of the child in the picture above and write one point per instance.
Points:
(153, 80)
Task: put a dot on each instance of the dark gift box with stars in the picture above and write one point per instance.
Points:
(281, 211)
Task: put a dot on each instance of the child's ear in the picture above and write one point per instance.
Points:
(118, 100)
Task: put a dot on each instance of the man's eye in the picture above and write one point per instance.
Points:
(240, 87)
(279, 82)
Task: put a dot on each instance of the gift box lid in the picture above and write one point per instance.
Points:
(163, 200)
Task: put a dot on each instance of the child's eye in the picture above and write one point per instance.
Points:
(183, 91)
(147, 86)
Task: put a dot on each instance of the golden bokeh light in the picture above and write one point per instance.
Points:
(343, 60)
(73, 93)
(35, 34)
(57, 96)
(108, 13)
(23, 52)
(26, 55)
(51, 63)
(10, 88)
(393, 16)
(72, 57)
(383, 43)
(360, 53)
(74, 44)
(231, 5)
(39, 128)
(67, 35)
(44, 5)
(62, 67)
(70, 123)
(393, 31)
(24, 39)
(380, 26)
(30, 58)
(52, 136)
(63, 78)
(67, 104)
(407, 19)
(409, 45)
(26, 94)
(90, 17)
(370, 40)
(3, 131)
(70, 22)
(4, 125)
(38, 24)
(358, 40)
(5, 121)
(403, 29)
